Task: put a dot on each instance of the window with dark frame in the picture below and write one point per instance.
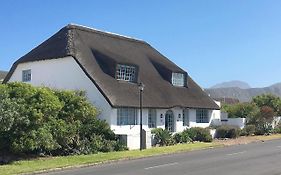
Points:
(152, 118)
(126, 116)
(126, 73)
(202, 116)
(185, 117)
(26, 75)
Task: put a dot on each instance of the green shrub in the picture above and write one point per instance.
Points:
(263, 129)
(185, 137)
(226, 131)
(277, 129)
(182, 137)
(162, 137)
(248, 130)
(199, 134)
(177, 138)
(36, 120)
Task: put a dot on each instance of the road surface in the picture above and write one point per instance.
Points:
(261, 158)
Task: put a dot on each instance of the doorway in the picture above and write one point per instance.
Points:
(169, 121)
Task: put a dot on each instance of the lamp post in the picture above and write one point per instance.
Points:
(141, 87)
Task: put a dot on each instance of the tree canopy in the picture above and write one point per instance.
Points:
(260, 112)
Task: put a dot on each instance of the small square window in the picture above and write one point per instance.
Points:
(26, 75)
(178, 79)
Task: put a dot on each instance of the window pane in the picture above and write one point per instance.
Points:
(185, 117)
(126, 116)
(178, 79)
(152, 118)
(202, 116)
(125, 72)
(26, 75)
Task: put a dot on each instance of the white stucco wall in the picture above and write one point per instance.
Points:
(239, 122)
(64, 73)
(160, 121)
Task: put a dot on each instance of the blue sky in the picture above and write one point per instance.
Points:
(214, 41)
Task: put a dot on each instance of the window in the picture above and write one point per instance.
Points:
(202, 116)
(26, 75)
(126, 116)
(126, 73)
(185, 117)
(152, 118)
(178, 79)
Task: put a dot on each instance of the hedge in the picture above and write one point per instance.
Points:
(226, 131)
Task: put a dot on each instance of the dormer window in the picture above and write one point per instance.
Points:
(126, 73)
(178, 79)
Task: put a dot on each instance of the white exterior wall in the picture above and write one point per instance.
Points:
(276, 121)
(133, 131)
(64, 73)
(239, 122)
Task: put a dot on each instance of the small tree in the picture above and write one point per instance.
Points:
(241, 110)
(263, 120)
(269, 100)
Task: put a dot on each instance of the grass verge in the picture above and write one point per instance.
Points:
(41, 164)
(247, 139)
(35, 165)
(269, 137)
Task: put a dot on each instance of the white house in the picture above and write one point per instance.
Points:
(109, 68)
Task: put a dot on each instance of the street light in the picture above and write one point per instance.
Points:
(141, 87)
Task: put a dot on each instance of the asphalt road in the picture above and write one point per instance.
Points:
(261, 158)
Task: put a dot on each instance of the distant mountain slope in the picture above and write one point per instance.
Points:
(230, 84)
(3, 74)
(244, 95)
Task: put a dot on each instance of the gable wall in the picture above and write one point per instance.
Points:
(64, 73)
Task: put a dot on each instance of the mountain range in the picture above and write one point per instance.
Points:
(241, 91)
(3, 74)
(229, 84)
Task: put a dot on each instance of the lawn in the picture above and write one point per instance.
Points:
(83, 160)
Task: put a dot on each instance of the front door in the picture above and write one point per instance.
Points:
(169, 121)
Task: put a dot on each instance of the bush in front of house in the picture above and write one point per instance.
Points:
(226, 131)
(41, 121)
(162, 137)
(199, 134)
(181, 137)
(248, 130)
